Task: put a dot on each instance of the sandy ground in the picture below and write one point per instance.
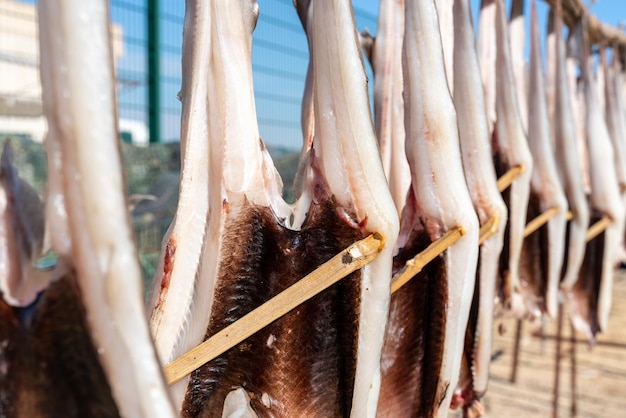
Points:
(600, 371)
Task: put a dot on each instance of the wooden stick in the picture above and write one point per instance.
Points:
(417, 263)
(507, 178)
(540, 221)
(489, 228)
(557, 366)
(351, 259)
(544, 320)
(597, 228)
(569, 215)
(573, 407)
(516, 348)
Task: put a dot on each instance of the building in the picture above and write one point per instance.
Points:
(21, 110)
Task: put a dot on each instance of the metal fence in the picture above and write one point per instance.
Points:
(279, 62)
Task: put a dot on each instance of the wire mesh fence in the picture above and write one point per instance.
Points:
(279, 62)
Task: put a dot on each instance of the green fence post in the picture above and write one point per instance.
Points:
(154, 72)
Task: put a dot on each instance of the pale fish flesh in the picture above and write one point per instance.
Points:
(590, 297)
(386, 59)
(510, 147)
(428, 316)
(320, 359)
(569, 164)
(88, 217)
(481, 182)
(517, 33)
(543, 250)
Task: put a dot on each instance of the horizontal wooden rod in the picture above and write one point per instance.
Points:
(417, 263)
(489, 228)
(597, 228)
(540, 221)
(507, 178)
(349, 260)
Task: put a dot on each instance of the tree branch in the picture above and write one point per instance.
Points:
(598, 32)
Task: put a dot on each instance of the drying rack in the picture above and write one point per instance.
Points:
(364, 251)
(347, 261)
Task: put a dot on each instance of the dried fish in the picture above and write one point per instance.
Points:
(321, 359)
(482, 184)
(426, 329)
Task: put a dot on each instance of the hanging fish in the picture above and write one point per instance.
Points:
(428, 316)
(481, 181)
(323, 358)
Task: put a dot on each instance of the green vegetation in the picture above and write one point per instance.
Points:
(287, 164)
(29, 158)
(152, 174)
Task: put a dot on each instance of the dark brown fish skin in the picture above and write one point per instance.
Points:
(517, 9)
(468, 395)
(503, 282)
(9, 325)
(49, 364)
(303, 362)
(534, 262)
(413, 347)
(586, 290)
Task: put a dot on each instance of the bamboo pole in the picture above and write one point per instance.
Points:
(516, 350)
(507, 178)
(489, 228)
(540, 221)
(597, 228)
(557, 364)
(417, 263)
(351, 259)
